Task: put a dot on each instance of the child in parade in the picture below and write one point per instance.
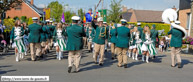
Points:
(129, 52)
(136, 43)
(59, 39)
(147, 47)
(16, 37)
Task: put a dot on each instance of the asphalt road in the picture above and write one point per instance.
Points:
(157, 70)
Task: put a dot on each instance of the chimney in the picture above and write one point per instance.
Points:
(32, 2)
(124, 8)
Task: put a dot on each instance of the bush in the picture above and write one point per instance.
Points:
(24, 19)
(16, 18)
(9, 24)
(159, 26)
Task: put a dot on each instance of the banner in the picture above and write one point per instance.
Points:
(103, 13)
(47, 15)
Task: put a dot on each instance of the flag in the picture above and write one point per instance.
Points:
(63, 18)
(84, 19)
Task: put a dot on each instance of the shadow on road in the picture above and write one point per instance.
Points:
(4, 72)
(107, 63)
(186, 62)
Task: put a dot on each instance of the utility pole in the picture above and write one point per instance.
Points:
(191, 26)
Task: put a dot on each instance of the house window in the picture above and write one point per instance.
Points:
(188, 20)
(18, 7)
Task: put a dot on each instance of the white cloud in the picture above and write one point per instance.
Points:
(41, 5)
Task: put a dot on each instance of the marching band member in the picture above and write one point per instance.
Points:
(51, 29)
(16, 36)
(129, 52)
(176, 44)
(89, 37)
(154, 35)
(99, 39)
(75, 35)
(113, 39)
(34, 39)
(122, 43)
(43, 38)
(59, 39)
(147, 47)
(106, 41)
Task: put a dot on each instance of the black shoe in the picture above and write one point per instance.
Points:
(100, 64)
(37, 58)
(48, 51)
(179, 65)
(96, 62)
(153, 57)
(42, 56)
(112, 58)
(69, 69)
(125, 65)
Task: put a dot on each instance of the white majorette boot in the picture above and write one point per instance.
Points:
(133, 56)
(17, 57)
(136, 56)
(60, 55)
(22, 55)
(143, 58)
(57, 55)
(129, 54)
(147, 59)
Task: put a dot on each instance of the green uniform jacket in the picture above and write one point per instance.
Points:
(177, 36)
(51, 30)
(75, 40)
(154, 35)
(43, 34)
(48, 32)
(34, 33)
(101, 34)
(113, 37)
(141, 32)
(12, 35)
(55, 34)
(123, 36)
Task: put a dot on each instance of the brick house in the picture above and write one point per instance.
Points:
(147, 16)
(184, 13)
(27, 9)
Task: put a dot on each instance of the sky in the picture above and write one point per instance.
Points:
(74, 5)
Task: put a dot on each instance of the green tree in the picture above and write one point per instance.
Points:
(81, 13)
(9, 23)
(68, 15)
(115, 11)
(56, 10)
(8, 4)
